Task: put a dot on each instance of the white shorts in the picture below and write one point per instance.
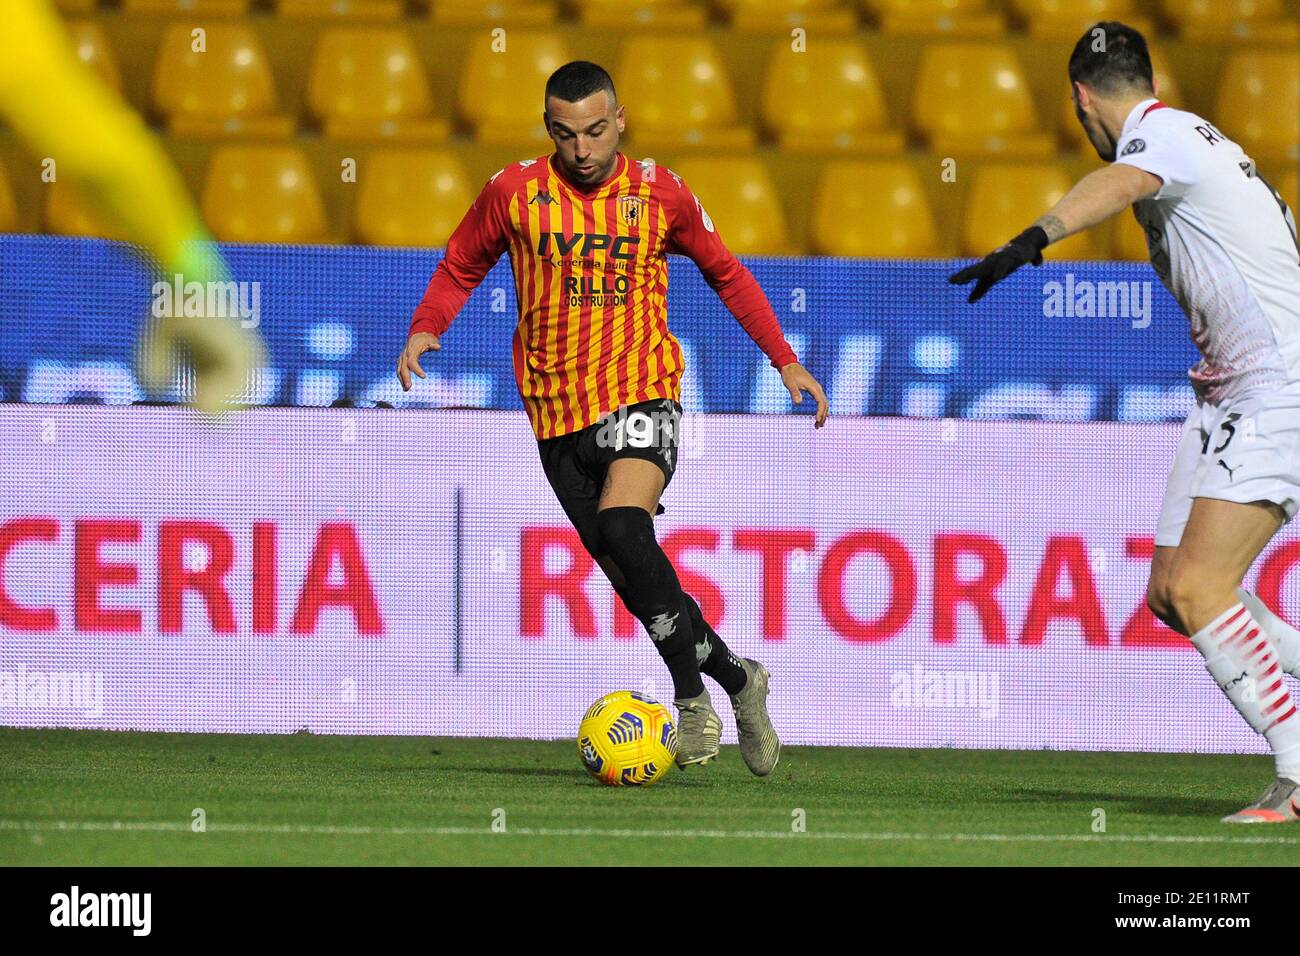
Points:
(1243, 449)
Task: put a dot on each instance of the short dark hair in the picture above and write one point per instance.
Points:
(1111, 58)
(576, 81)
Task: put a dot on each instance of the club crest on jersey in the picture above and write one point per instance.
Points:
(631, 209)
(1135, 146)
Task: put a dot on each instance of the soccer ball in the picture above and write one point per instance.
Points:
(627, 739)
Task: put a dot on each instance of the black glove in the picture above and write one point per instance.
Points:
(1001, 262)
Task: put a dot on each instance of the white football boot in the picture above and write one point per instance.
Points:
(1280, 804)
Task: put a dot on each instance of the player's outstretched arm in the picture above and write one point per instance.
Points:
(1096, 197)
(62, 111)
(1092, 200)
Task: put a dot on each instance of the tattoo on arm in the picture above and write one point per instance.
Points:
(1054, 228)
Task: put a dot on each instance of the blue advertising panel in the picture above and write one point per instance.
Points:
(1066, 341)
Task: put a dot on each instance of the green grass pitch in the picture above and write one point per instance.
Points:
(92, 798)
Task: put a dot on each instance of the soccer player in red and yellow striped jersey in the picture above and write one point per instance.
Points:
(588, 231)
(591, 278)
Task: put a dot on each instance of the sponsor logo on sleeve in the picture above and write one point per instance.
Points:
(704, 216)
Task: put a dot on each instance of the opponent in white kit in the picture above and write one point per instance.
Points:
(1224, 243)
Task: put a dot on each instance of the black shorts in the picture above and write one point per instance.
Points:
(576, 464)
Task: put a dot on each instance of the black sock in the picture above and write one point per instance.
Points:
(720, 664)
(652, 593)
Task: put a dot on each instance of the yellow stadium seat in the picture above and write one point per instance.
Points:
(69, 213)
(225, 88)
(501, 93)
(827, 98)
(410, 198)
(642, 14)
(1218, 20)
(965, 19)
(206, 8)
(8, 208)
(340, 9)
(367, 83)
(76, 6)
(93, 49)
(974, 99)
(875, 209)
(1007, 197)
(1067, 19)
(780, 16)
(1259, 103)
(1166, 89)
(262, 194)
(678, 94)
(516, 13)
(740, 197)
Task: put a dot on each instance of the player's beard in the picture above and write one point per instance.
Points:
(1106, 150)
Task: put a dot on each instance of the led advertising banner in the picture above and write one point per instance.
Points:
(371, 571)
(1069, 341)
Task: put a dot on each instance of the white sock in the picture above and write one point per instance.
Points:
(1244, 664)
(1284, 637)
